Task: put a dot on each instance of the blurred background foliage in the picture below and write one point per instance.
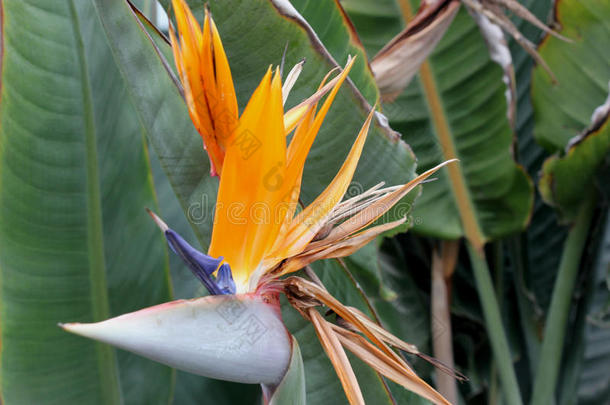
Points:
(504, 272)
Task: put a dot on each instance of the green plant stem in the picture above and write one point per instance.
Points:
(443, 266)
(529, 313)
(495, 328)
(498, 257)
(554, 332)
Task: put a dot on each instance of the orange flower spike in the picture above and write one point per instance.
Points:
(251, 185)
(302, 141)
(309, 221)
(266, 227)
(206, 77)
(257, 198)
(257, 235)
(225, 92)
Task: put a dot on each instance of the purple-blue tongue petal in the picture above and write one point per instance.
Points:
(225, 279)
(202, 265)
(178, 245)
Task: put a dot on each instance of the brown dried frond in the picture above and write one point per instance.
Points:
(339, 239)
(397, 343)
(371, 346)
(337, 357)
(494, 10)
(387, 366)
(522, 12)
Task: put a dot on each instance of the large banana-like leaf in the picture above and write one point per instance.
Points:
(75, 241)
(456, 108)
(534, 270)
(572, 114)
(341, 40)
(585, 378)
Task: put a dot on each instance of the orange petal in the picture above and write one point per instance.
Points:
(295, 114)
(309, 221)
(251, 183)
(206, 77)
(226, 118)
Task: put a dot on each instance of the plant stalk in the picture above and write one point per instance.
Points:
(443, 265)
(495, 327)
(498, 253)
(555, 329)
(529, 313)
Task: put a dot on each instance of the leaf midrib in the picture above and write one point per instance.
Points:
(107, 363)
(457, 184)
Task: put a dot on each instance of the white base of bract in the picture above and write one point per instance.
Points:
(236, 338)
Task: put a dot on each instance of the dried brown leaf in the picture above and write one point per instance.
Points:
(298, 287)
(492, 12)
(388, 366)
(394, 341)
(522, 12)
(396, 64)
(337, 357)
(339, 249)
(371, 213)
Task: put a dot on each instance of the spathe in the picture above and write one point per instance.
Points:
(238, 338)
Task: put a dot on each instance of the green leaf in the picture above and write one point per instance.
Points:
(75, 241)
(563, 110)
(455, 107)
(566, 179)
(291, 390)
(585, 379)
(534, 270)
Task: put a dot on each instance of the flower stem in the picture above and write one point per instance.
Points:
(495, 327)
(444, 259)
(529, 311)
(554, 332)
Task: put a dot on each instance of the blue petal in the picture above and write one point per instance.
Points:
(225, 279)
(200, 264)
(178, 244)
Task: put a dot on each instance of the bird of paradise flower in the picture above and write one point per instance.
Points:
(236, 333)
